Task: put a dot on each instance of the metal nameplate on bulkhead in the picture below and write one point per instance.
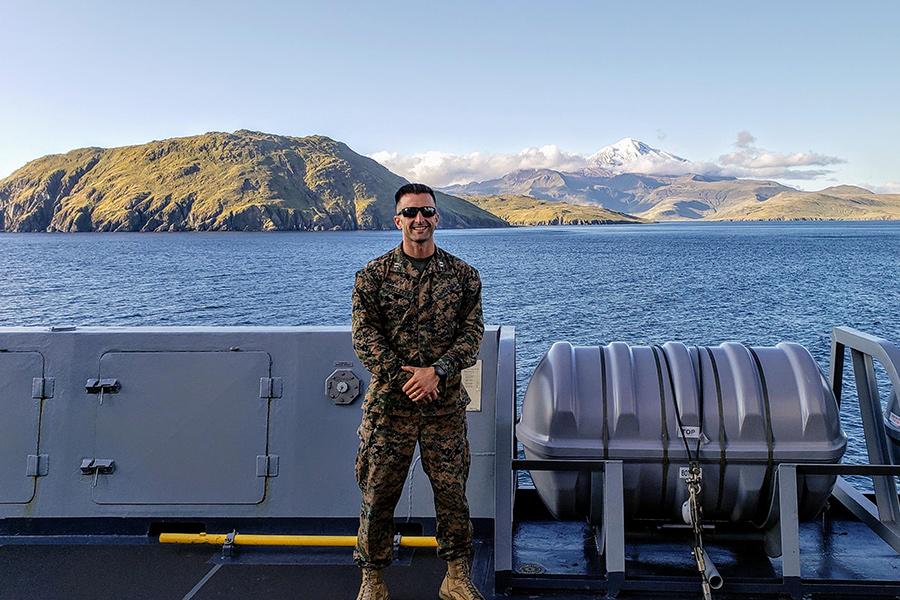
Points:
(471, 379)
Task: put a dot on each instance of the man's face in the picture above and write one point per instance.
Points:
(417, 229)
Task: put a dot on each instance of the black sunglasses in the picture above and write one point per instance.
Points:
(410, 212)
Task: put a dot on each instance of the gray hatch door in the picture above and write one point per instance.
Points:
(19, 418)
(183, 428)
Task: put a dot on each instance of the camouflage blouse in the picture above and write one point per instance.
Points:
(403, 317)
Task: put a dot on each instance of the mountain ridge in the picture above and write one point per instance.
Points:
(691, 196)
(217, 181)
(256, 181)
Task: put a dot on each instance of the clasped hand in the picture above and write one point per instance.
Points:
(423, 385)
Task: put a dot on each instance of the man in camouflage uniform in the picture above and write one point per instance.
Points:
(417, 324)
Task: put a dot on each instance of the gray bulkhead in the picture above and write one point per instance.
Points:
(192, 422)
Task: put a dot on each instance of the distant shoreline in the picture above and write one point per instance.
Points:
(701, 222)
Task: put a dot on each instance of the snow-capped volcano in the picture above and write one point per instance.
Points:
(629, 155)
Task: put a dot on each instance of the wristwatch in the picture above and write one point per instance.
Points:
(440, 372)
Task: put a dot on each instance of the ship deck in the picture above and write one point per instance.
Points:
(837, 551)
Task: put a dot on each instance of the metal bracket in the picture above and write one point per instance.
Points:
(271, 387)
(97, 466)
(608, 522)
(613, 526)
(37, 465)
(104, 466)
(342, 386)
(785, 540)
(228, 548)
(267, 465)
(396, 546)
(105, 386)
(42, 387)
(607, 510)
(685, 473)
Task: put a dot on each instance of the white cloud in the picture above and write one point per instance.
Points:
(752, 161)
(444, 168)
(755, 158)
(441, 169)
(891, 187)
(744, 139)
(657, 165)
(772, 173)
(653, 166)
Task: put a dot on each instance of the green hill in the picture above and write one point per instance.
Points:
(843, 202)
(525, 210)
(241, 181)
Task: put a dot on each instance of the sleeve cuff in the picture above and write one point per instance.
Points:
(446, 365)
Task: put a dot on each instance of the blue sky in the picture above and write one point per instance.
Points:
(814, 84)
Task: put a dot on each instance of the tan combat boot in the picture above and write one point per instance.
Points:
(457, 584)
(373, 586)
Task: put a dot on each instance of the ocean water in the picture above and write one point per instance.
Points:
(698, 283)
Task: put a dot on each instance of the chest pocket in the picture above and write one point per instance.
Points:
(395, 301)
(447, 295)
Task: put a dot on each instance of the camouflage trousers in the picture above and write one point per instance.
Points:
(385, 452)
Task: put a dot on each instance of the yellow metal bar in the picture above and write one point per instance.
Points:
(246, 539)
(418, 542)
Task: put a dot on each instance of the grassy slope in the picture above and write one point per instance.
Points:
(524, 210)
(836, 203)
(215, 181)
(687, 198)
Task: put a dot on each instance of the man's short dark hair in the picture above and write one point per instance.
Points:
(413, 188)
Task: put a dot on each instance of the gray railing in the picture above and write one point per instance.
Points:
(882, 516)
(865, 350)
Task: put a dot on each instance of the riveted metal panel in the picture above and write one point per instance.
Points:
(19, 418)
(185, 428)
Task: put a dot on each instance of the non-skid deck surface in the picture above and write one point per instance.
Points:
(318, 582)
(98, 571)
(842, 549)
(850, 551)
(82, 571)
(135, 568)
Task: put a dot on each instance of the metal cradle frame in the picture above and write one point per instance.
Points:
(607, 496)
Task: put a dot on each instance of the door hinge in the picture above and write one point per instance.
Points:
(270, 387)
(37, 465)
(267, 465)
(42, 387)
